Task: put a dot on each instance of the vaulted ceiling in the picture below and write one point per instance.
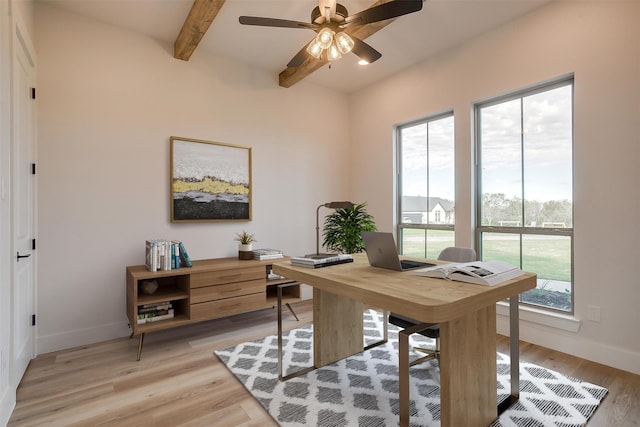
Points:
(212, 25)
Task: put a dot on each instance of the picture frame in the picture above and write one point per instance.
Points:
(210, 181)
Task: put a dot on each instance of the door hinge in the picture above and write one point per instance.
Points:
(33, 168)
(33, 93)
(33, 320)
(33, 244)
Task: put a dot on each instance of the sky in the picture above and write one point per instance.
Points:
(543, 120)
(438, 136)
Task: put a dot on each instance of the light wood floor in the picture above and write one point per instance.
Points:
(179, 381)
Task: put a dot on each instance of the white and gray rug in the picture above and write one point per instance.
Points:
(362, 390)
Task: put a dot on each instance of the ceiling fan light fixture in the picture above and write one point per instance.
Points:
(363, 62)
(314, 49)
(344, 42)
(333, 53)
(325, 37)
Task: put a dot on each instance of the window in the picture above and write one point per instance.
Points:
(525, 188)
(426, 186)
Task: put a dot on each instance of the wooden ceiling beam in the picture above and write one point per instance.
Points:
(200, 17)
(292, 75)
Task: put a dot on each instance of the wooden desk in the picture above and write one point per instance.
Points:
(466, 314)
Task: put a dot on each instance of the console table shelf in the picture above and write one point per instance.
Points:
(210, 289)
(163, 295)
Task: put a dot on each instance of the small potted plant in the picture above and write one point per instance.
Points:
(245, 247)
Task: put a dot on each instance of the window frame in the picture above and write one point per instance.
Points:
(523, 230)
(400, 225)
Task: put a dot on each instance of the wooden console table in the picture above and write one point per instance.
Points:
(211, 289)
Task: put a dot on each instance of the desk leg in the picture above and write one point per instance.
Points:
(337, 327)
(514, 341)
(468, 369)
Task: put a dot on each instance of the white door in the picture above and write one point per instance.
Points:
(23, 201)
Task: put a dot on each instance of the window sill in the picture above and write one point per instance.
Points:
(565, 322)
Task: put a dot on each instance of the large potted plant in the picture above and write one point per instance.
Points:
(342, 229)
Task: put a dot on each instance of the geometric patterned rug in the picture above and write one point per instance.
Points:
(362, 389)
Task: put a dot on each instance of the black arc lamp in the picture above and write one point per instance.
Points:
(330, 205)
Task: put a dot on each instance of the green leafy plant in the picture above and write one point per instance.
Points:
(245, 238)
(342, 229)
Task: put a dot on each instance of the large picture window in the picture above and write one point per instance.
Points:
(426, 186)
(525, 188)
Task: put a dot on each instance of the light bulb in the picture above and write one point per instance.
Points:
(325, 37)
(344, 42)
(333, 52)
(363, 62)
(314, 49)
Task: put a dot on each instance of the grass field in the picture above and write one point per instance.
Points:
(547, 256)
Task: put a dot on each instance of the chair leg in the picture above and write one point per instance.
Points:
(403, 370)
(430, 353)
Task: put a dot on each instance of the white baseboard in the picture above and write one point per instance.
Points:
(7, 404)
(78, 337)
(561, 339)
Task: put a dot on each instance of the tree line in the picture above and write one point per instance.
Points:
(497, 210)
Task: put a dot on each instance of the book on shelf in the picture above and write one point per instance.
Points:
(184, 255)
(154, 312)
(154, 304)
(155, 317)
(154, 308)
(265, 254)
(151, 256)
(486, 273)
(164, 254)
(175, 255)
(322, 261)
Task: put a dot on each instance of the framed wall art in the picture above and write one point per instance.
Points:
(210, 181)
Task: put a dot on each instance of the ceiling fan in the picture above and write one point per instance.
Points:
(332, 23)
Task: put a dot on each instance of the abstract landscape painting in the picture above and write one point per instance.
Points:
(209, 181)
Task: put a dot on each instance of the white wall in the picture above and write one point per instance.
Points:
(598, 41)
(108, 101)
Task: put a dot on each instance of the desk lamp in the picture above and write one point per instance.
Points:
(330, 205)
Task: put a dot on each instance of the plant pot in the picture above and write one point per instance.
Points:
(244, 251)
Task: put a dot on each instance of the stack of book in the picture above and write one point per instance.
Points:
(164, 254)
(263, 254)
(148, 313)
(321, 261)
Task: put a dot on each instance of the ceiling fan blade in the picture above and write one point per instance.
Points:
(365, 51)
(389, 10)
(299, 58)
(274, 22)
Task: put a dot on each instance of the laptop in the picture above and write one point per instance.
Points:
(382, 252)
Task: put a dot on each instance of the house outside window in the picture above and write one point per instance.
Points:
(525, 188)
(426, 186)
